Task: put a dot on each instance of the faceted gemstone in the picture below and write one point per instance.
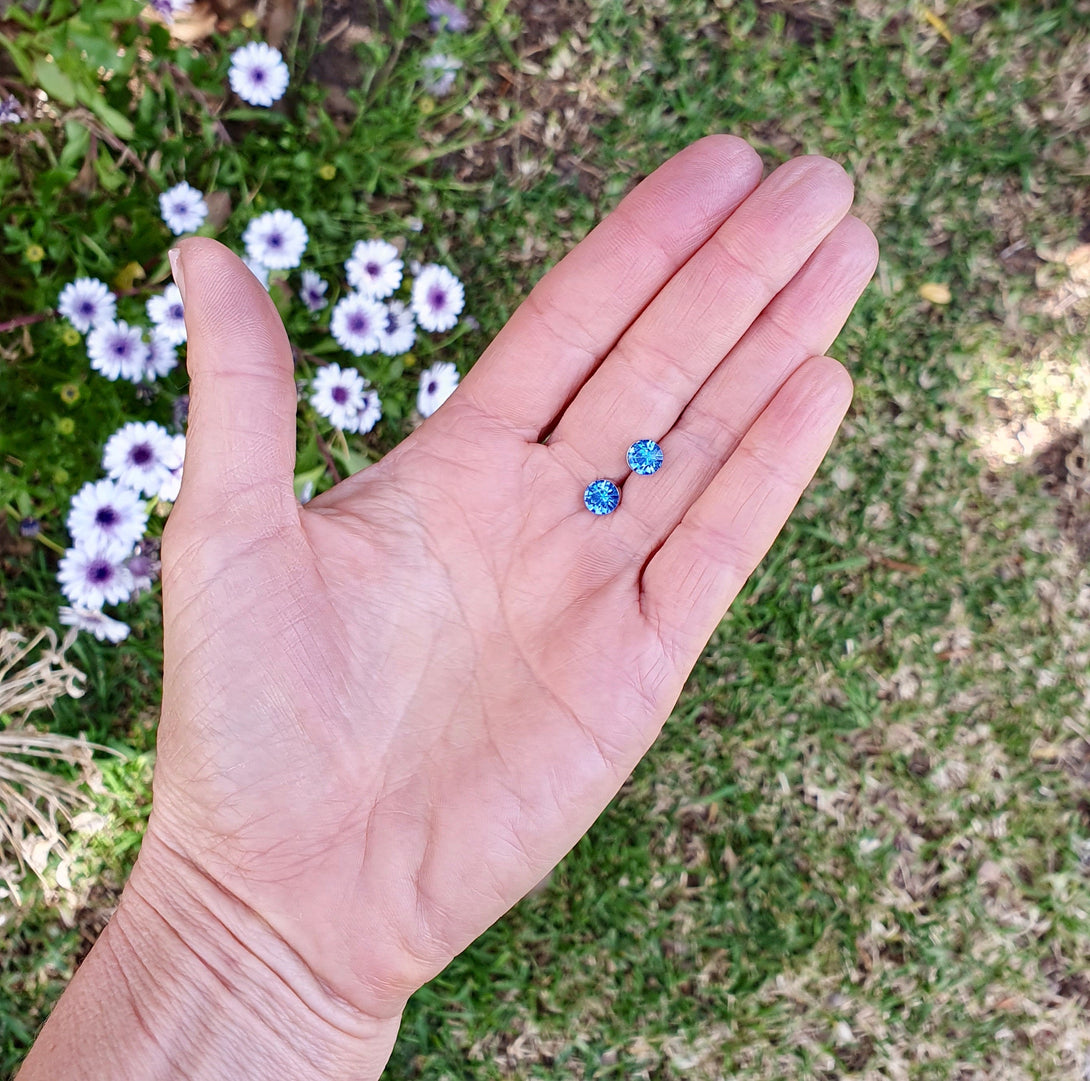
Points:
(601, 497)
(645, 457)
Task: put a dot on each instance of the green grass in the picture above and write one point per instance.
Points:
(861, 847)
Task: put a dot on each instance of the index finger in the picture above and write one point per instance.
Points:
(578, 311)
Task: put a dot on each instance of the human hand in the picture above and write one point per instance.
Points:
(388, 713)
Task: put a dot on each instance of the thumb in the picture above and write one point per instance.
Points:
(240, 443)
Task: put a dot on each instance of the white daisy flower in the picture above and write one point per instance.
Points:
(370, 412)
(337, 393)
(162, 355)
(258, 74)
(183, 208)
(86, 303)
(117, 350)
(312, 293)
(96, 622)
(139, 456)
(355, 323)
(92, 577)
(444, 16)
(168, 314)
(438, 297)
(276, 239)
(144, 571)
(258, 270)
(175, 460)
(107, 516)
(440, 71)
(436, 386)
(398, 330)
(374, 268)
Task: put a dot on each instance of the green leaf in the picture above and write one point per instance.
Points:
(120, 125)
(109, 175)
(76, 141)
(22, 61)
(54, 82)
(115, 10)
(307, 476)
(268, 116)
(101, 52)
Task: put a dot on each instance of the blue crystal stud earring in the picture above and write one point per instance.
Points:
(601, 497)
(645, 457)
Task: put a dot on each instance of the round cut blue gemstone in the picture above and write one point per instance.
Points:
(645, 457)
(601, 497)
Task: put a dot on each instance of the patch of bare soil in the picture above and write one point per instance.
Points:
(543, 104)
(1064, 467)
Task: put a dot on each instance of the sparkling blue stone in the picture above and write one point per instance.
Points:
(601, 497)
(645, 457)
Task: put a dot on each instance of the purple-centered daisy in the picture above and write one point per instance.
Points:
(258, 270)
(447, 16)
(438, 297)
(167, 9)
(337, 393)
(118, 351)
(86, 303)
(374, 268)
(370, 411)
(139, 455)
(312, 291)
(276, 239)
(175, 461)
(145, 570)
(168, 314)
(92, 577)
(95, 622)
(440, 71)
(183, 208)
(398, 330)
(162, 356)
(355, 323)
(11, 112)
(107, 516)
(258, 74)
(437, 384)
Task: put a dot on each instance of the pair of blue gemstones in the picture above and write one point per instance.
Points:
(603, 496)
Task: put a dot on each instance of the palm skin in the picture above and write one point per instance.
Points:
(388, 714)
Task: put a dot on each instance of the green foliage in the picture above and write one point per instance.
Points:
(130, 112)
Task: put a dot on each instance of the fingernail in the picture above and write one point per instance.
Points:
(175, 257)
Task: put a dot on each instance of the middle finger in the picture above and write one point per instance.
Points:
(662, 360)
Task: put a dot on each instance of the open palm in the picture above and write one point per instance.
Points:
(388, 713)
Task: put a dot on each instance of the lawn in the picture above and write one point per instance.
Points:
(861, 848)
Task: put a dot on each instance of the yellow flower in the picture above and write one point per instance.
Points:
(248, 19)
(34, 253)
(427, 105)
(60, 475)
(127, 276)
(70, 336)
(69, 393)
(408, 360)
(65, 425)
(328, 171)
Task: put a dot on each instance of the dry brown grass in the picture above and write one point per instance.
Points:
(37, 803)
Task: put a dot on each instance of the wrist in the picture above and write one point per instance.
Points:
(187, 982)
